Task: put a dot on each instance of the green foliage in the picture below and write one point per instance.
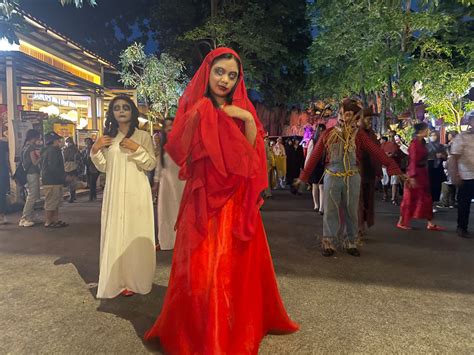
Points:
(271, 37)
(11, 21)
(381, 46)
(158, 81)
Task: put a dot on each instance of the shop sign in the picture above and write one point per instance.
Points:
(54, 100)
(33, 115)
(64, 129)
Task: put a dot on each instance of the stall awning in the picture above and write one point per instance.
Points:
(32, 72)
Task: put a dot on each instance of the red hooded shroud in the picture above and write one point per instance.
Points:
(215, 157)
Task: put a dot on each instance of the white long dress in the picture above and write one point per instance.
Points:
(169, 199)
(127, 244)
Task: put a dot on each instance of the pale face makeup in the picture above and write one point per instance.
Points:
(122, 111)
(222, 79)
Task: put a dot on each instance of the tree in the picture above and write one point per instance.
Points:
(383, 47)
(158, 81)
(271, 37)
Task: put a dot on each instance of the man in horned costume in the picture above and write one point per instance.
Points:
(342, 146)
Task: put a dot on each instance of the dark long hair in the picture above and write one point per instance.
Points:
(317, 133)
(111, 124)
(31, 134)
(163, 140)
(229, 97)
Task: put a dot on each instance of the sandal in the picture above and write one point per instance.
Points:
(435, 228)
(401, 226)
(61, 224)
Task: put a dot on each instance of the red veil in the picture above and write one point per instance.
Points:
(215, 157)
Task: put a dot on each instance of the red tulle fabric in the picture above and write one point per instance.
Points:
(222, 296)
(417, 202)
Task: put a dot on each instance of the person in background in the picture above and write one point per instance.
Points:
(279, 152)
(436, 155)
(170, 191)
(5, 173)
(71, 166)
(461, 167)
(448, 189)
(417, 201)
(370, 171)
(30, 160)
(391, 182)
(295, 159)
(270, 164)
(92, 173)
(316, 178)
(53, 177)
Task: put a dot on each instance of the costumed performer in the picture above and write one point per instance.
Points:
(127, 242)
(222, 296)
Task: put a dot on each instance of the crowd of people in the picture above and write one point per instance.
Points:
(210, 194)
(46, 166)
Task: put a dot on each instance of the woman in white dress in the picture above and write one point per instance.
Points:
(170, 190)
(127, 245)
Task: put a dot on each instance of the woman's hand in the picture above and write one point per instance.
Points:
(297, 183)
(100, 143)
(411, 182)
(129, 144)
(237, 112)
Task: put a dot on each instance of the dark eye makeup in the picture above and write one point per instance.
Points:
(221, 71)
(125, 107)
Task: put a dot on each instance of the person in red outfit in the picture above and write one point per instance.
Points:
(392, 149)
(222, 296)
(417, 202)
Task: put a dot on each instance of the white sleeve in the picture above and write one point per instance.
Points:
(100, 160)
(144, 157)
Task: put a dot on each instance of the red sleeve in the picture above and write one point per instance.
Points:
(413, 159)
(314, 158)
(377, 153)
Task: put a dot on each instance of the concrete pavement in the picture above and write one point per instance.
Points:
(410, 292)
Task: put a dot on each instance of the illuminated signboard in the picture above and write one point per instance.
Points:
(54, 100)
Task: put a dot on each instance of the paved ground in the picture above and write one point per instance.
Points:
(410, 292)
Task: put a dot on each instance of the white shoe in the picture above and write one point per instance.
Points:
(3, 220)
(27, 224)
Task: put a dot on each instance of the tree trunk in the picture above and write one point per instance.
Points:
(383, 113)
(376, 104)
(363, 96)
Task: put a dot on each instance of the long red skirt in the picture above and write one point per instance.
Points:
(416, 204)
(222, 297)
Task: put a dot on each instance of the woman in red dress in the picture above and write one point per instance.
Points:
(417, 202)
(222, 296)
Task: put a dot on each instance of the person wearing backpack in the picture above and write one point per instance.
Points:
(30, 160)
